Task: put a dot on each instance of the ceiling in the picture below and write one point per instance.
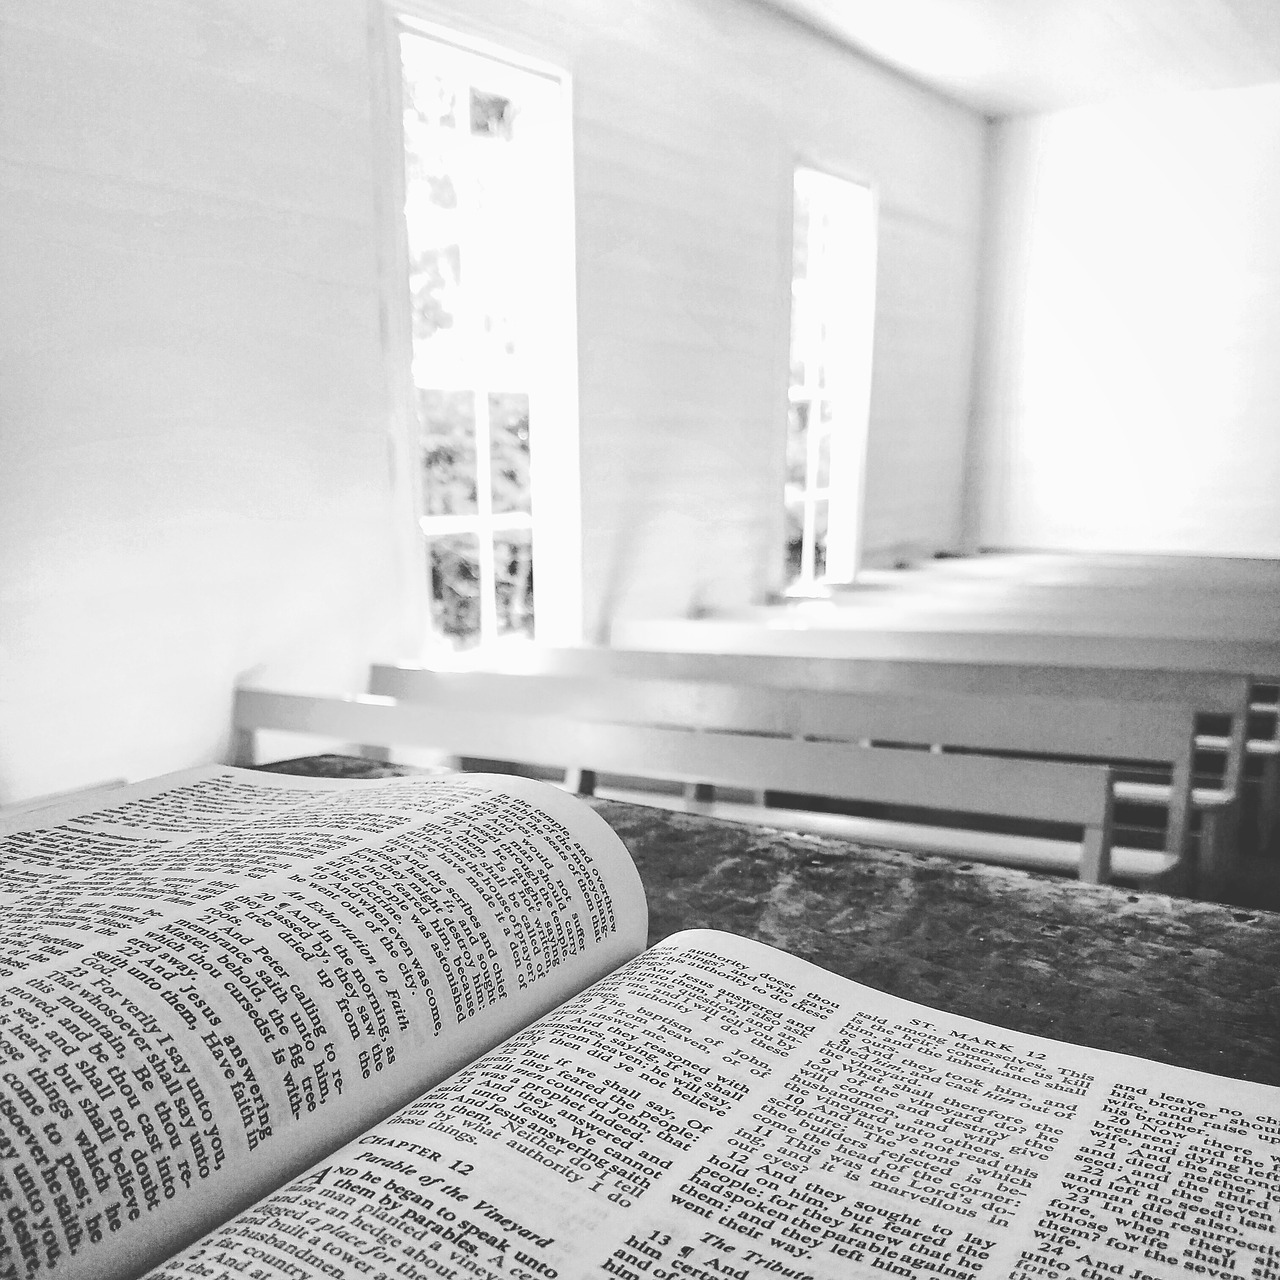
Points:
(1010, 57)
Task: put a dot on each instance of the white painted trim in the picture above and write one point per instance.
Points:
(394, 323)
(556, 459)
(407, 13)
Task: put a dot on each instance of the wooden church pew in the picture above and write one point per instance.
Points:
(1208, 693)
(1212, 693)
(787, 633)
(1217, 602)
(1099, 728)
(479, 718)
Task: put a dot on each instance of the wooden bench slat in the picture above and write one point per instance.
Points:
(1211, 691)
(796, 636)
(1097, 727)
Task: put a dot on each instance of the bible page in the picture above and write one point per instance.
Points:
(717, 1110)
(210, 980)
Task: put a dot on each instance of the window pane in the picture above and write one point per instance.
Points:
(794, 538)
(819, 538)
(455, 587)
(448, 421)
(431, 199)
(800, 233)
(430, 93)
(798, 445)
(799, 332)
(492, 115)
(509, 451)
(513, 573)
(495, 193)
(434, 275)
(822, 464)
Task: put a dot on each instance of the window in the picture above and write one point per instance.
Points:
(488, 226)
(832, 307)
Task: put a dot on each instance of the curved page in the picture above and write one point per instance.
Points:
(209, 981)
(717, 1110)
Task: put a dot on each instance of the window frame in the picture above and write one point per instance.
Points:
(844, 492)
(554, 455)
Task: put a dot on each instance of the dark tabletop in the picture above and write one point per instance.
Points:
(1186, 982)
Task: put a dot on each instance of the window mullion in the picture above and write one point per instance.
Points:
(484, 510)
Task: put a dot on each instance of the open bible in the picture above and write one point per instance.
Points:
(259, 1026)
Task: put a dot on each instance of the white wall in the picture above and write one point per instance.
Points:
(196, 479)
(1130, 393)
(194, 474)
(690, 115)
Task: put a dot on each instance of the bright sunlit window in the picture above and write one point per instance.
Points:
(832, 310)
(488, 217)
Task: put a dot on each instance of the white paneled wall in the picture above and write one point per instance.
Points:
(196, 477)
(1130, 393)
(690, 117)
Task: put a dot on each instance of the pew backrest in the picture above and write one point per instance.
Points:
(1101, 715)
(784, 633)
(1211, 692)
(1085, 727)
(481, 717)
(1157, 730)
